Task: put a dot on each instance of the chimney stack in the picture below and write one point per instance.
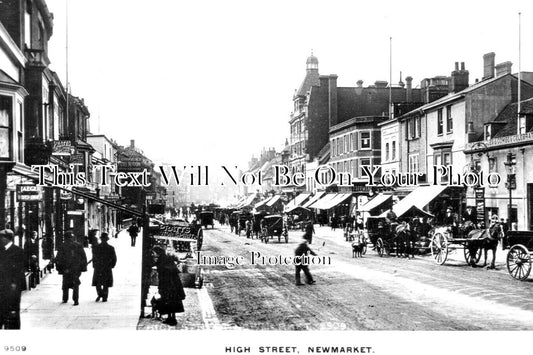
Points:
(503, 68)
(132, 143)
(409, 89)
(459, 80)
(488, 65)
(359, 83)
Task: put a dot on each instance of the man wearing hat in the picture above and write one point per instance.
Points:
(301, 251)
(11, 280)
(71, 261)
(104, 260)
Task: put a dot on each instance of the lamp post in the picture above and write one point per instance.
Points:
(511, 182)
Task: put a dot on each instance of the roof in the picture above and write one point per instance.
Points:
(454, 96)
(509, 115)
(312, 78)
(335, 201)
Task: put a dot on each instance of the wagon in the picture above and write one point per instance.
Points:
(519, 257)
(444, 240)
(381, 235)
(207, 219)
(272, 226)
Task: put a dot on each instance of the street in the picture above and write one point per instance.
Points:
(368, 293)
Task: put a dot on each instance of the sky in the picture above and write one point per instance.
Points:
(211, 82)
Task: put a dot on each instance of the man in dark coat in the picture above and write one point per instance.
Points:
(31, 262)
(71, 261)
(301, 251)
(104, 260)
(133, 230)
(309, 231)
(11, 280)
(170, 287)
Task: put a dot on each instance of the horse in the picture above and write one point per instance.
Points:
(404, 241)
(487, 239)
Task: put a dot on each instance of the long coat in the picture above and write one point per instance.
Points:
(170, 287)
(104, 260)
(71, 261)
(11, 278)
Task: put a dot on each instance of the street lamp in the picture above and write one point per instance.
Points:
(511, 182)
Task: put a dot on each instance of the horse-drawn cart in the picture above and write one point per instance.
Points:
(272, 226)
(471, 240)
(520, 255)
(387, 238)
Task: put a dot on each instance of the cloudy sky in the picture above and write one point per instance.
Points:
(211, 82)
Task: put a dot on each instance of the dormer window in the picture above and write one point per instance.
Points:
(488, 131)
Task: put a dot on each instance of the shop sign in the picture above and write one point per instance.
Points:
(177, 233)
(480, 204)
(77, 159)
(62, 148)
(65, 195)
(29, 193)
(75, 213)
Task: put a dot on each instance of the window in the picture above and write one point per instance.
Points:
(488, 131)
(6, 113)
(413, 163)
(365, 140)
(387, 152)
(354, 168)
(413, 128)
(449, 120)
(347, 143)
(363, 162)
(393, 150)
(354, 142)
(338, 146)
(442, 157)
(439, 122)
(27, 25)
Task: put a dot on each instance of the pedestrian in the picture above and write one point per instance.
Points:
(302, 251)
(170, 287)
(248, 225)
(11, 280)
(104, 260)
(71, 261)
(133, 230)
(309, 231)
(31, 260)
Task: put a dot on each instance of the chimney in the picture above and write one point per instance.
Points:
(332, 100)
(459, 79)
(381, 84)
(359, 83)
(409, 90)
(503, 68)
(488, 65)
(132, 143)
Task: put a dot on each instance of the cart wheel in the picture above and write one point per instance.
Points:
(519, 262)
(439, 248)
(380, 247)
(472, 259)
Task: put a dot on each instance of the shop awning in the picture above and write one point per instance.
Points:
(323, 201)
(297, 201)
(313, 199)
(262, 202)
(293, 208)
(337, 200)
(248, 201)
(375, 202)
(273, 200)
(417, 200)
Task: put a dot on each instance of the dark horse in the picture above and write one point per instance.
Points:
(405, 241)
(487, 239)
